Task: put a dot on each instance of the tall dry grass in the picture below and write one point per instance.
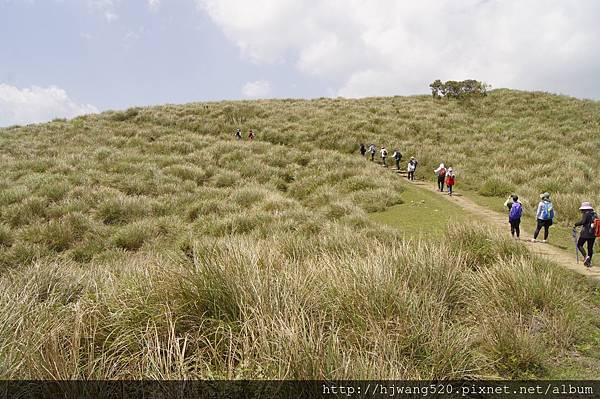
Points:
(149, 243)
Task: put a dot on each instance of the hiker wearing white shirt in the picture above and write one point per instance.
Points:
(411, 167)
(383, 156)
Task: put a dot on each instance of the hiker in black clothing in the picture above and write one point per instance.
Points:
(362, 149)
(397, 157)
(588, 232)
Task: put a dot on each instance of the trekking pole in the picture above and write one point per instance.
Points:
(575, 241)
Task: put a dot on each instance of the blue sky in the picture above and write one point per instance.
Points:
(60, 58)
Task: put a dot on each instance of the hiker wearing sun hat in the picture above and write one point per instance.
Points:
(588, 222)
(545, 217)
(450, 180)
(411, 167)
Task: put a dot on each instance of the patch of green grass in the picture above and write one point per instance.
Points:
(422, 213)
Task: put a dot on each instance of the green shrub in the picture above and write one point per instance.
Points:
(119, 116)
(494, 187)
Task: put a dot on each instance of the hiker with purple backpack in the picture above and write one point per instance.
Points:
(515, 211)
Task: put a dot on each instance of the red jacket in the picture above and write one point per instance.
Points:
(449, 180)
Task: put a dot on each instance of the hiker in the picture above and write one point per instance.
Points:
(515, 210)
(372, 150)
(545, 217)
(383, 156)
(238, 134)
(362, 149)
(251, 135)
(441, 176)
(411, 167)
(450, 179)
(397, 157)
(588, 222)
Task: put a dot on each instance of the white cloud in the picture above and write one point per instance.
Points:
(37, 104)
(105, 8)
(131, 37)
(153, 5)
(377, 47)
(257, 89)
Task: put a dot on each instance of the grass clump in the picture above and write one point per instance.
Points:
(121, 210)
(6, 236)
(133, 236)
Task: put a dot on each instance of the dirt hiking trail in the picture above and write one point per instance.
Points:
(500, 221)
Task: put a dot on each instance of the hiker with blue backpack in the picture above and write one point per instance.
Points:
(545, 217)
(515, 211)
(590, 229)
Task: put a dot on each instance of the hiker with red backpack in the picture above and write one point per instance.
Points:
(545, 217)
(590, 229)
(515, 211)
(441, 176)
(450, 180)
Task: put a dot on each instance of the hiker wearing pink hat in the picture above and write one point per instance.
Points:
(588, 222)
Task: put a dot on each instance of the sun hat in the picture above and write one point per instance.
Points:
(585, 206)
(545, 195)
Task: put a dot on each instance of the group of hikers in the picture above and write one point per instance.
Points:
(445, 176)
(589, 223)
(238, 134)
(411, 167)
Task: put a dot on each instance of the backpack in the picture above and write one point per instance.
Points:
(442, 172)
(596, 225)
(547, 211)
(516, 210)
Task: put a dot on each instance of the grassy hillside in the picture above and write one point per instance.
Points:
(149, 243)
